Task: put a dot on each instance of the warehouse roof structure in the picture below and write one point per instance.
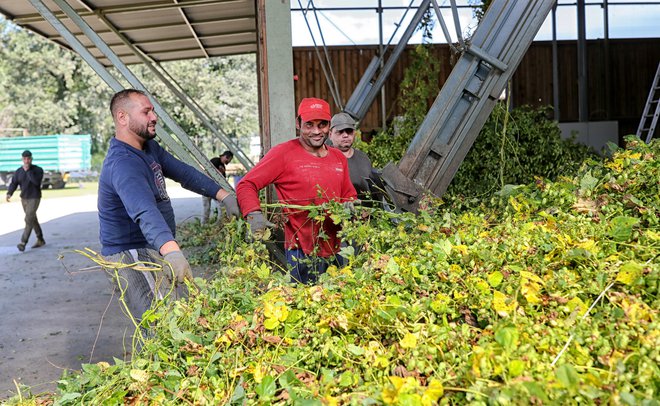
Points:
(164, 30)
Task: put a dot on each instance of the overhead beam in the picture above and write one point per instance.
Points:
(191, 29)
(128, 8)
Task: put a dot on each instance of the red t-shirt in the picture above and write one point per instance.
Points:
(303, 179)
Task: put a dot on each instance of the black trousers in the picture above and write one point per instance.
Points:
(30, 207)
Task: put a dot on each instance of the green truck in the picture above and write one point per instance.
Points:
(58, 155)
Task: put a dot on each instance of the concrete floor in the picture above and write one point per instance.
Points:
(54, 315)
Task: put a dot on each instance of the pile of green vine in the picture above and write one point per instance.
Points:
(546, 294)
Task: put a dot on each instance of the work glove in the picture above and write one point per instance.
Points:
(179, 265)
(231, 206)
(258, 224)
(350, 205)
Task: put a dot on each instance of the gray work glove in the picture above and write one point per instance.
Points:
(231, 206)
(179, 265)
(350, 205)
(258, 224)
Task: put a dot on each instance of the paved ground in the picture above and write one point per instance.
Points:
(51, 309)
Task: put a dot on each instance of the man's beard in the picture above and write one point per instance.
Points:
(143, 132)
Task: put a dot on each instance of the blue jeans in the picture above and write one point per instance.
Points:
(307, 268)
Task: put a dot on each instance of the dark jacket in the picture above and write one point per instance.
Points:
(134, 208)
(29, 181)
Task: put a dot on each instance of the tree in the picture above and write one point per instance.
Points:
(49, 89)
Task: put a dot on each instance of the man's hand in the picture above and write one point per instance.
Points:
(350, 205)
(231, 206)
(258, 224)
(8, 197)
(179, 265)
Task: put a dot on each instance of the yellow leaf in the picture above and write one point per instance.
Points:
(432, 393)
(462, 249)
(530, 276)
(139, 375)
(381, 362)
(531, 291)
(409, 341)
(500, 304)
(629, 272)
(578, 304)
(330, 400)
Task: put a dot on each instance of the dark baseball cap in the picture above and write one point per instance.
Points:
(342, 121)
(27, 154)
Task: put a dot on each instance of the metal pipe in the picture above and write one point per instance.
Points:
(583, 85)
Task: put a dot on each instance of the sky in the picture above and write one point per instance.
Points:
(627, 19)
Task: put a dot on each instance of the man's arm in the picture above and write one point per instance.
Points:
(35, 175)
(13, 184)
(269, 168)
(189, 177)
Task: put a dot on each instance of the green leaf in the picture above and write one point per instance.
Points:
(588, 182)
(516, 367)
(266, 389)
(355, 350)
(263, 271)
(536, 390)
(495, 278)
(621, 228)
(567, 376)
(271, 323)
(346, 379)
(507, 337)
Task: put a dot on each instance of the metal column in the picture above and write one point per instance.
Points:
(275, 72)
(583, 90)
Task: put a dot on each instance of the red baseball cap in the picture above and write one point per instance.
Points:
(311, 108)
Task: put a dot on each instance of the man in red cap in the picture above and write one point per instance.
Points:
(304, 172)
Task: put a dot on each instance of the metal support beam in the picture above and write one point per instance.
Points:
(191, 29)
(583, 82)
(187, 151)
(364, 96)
(555, 65)
(465, 101)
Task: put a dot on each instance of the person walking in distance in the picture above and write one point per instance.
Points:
(136, 219)
(304, 172)
(29, 178)
(220, 164)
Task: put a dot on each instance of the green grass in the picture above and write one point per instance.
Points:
(71, 189)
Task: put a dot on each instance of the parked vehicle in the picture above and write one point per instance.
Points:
(57, 155)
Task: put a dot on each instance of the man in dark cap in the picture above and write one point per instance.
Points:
(28, 177)
(342, 136)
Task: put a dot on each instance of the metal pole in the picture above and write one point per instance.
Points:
(583, 90)
(443, 25)
(608, 71)
(387, 69)
(555, 64)
(383, 107)
(457, 23)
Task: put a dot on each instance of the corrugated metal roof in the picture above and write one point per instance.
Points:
(164, 30)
